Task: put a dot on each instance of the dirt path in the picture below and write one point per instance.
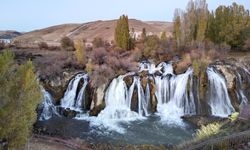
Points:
(39, 142)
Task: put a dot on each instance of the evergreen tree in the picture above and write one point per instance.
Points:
(122, 36)
(19, 96)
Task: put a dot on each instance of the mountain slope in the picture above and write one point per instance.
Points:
(88, 31)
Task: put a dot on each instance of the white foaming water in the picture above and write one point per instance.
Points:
(117, 108)
(240, 94)
(219, 100)
(70, 100)
(147, 66)
(143, 97)
(172, 96)
(48, 108)
(167, 68)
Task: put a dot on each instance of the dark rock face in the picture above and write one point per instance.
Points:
(56, 85)
(153, 100)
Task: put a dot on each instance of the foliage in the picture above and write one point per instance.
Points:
(208, 130)
(122, 36)
(98, 42)
(2, 45)
(230, 25)
(152, 45)
(163, 36)
(19, 96)
(234, 116)
(67, 44)
(80, 52)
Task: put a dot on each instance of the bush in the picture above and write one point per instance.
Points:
(20, 94)
(67, 44)
(98, 42)
(99, 55)
(208, 131)
(102, 75)
(43, 45)
(2, 45)
(152, 44)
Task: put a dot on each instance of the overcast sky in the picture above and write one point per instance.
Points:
(27, 15)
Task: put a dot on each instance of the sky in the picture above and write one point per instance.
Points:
(28, 15)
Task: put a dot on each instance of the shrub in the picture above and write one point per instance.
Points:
(2, 45)
(152, 44)
(208, 131)
(43, 45)
(80, 52)
(67, 44)
(99, 55)
(102, 75)
(98, 42)
(20, 94)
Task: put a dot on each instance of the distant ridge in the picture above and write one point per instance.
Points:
(90, 30)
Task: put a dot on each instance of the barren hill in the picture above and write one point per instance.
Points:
(9, 34)
(90, 30)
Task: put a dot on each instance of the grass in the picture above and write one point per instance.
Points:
(208, 131)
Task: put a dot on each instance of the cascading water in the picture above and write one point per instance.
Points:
(172, 95)
(71, 99)
(219, 100)
(240, 94)
(47, 107)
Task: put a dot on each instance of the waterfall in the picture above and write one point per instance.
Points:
(118, 101)
(240, 94)
(143, 97)
(71, 99)
(173, 96)
(47, 106)
(219, 100)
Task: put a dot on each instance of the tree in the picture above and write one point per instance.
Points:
(80, 52)
(152, 45)
(177, 33)
(190, 25)
(163, 36)
(67, 44)
(122, 36)
(143, 34)
(98, 42)
(19, 96)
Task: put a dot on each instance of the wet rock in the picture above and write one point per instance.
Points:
(57, 84)
(69, 113)
(97, 103)
(199, 120)
(134, 100)
(128, 80)
(153, 99)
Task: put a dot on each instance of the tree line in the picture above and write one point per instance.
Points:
(196, 26)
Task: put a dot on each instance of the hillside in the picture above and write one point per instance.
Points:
(90, 30)
(9, 34)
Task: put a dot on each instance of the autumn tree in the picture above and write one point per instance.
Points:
(190, 25)
(19, 96)
(80, 52)
(122, 36)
